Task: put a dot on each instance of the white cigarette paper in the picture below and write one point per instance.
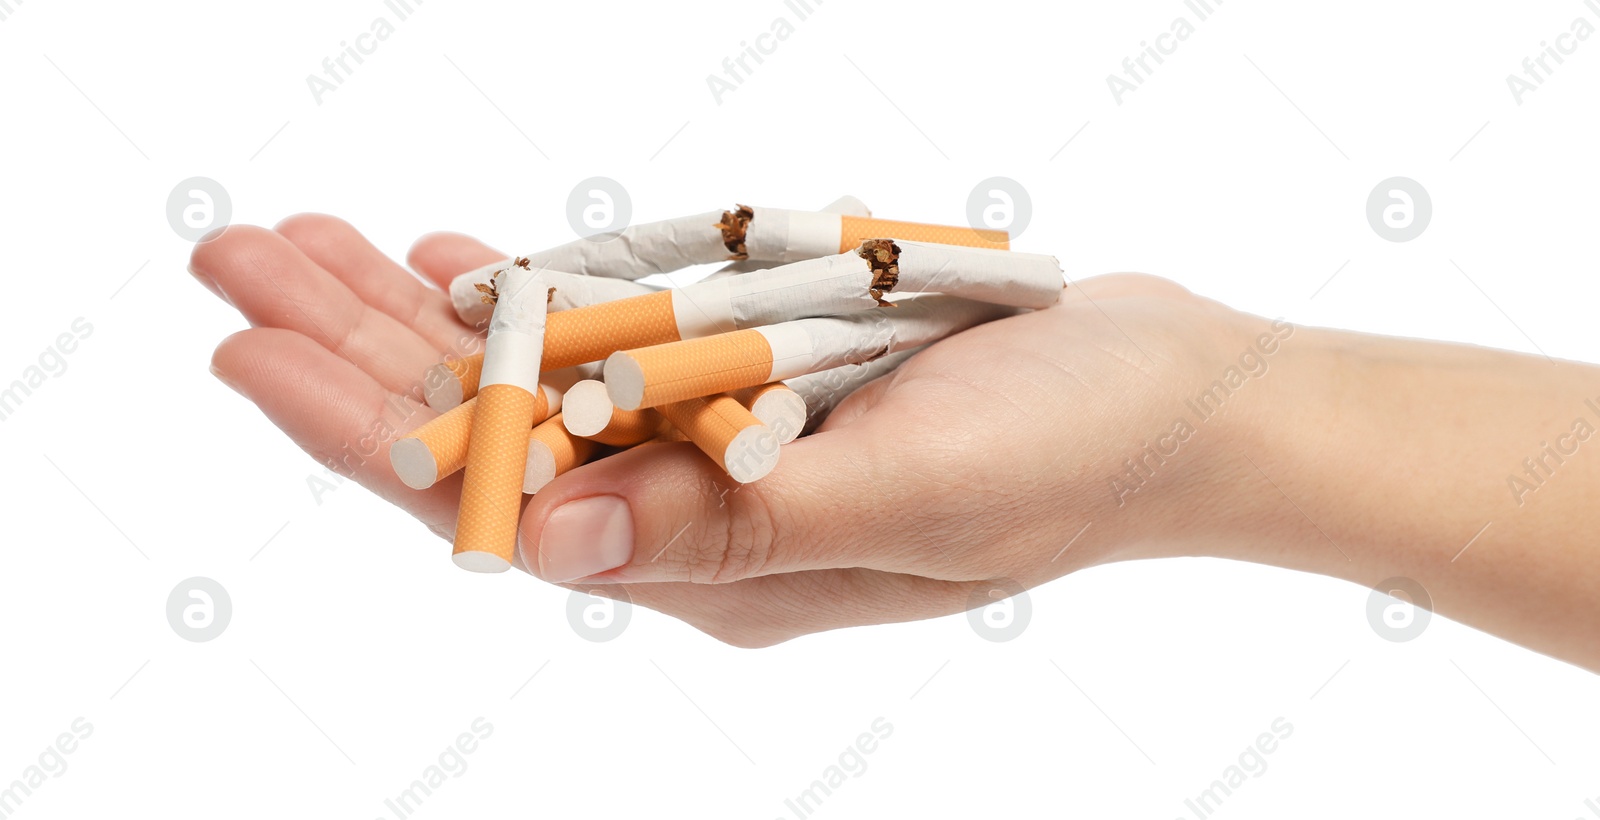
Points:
(773, 235)
(806, 346)
(1028, 280)
(845, 282)
(792, 349)
(844, 206)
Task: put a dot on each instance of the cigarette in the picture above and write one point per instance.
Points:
(567, 291)
(845, 206)
(779, 235)
(856, 280)
(426, 455)
(553, 451)
(822, 391)
(653, 376)
(771, 235)
(777, 406)
(497, 447)
(589, 413)
(731, 435)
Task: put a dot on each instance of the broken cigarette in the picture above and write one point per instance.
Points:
(567, 291)
(731, 435)
(844, 206)
(777, 406)
(497, 449)
(590, 414)
(852, 281)
(553, 451)
(424, 456)
(758, 234)
(653, 376)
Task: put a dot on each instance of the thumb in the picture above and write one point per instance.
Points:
(664, 512)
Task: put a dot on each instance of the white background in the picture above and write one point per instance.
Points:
(357, 653)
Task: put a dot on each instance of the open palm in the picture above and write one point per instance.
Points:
(966, 470)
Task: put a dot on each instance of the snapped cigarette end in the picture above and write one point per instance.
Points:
(734, 225)
(884, 257)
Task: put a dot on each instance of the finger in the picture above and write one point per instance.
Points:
(771, 609)
(442, 256)
(664, 512)
(341, 250)
(336, 413)
(274, 285)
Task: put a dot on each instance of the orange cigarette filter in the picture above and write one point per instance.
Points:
(698, 367)
(731, 435)
(628, 427)
(491, 491)
(853, 230)
(424, 456)
(553, 451)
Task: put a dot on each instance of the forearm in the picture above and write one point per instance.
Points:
(1474, 472)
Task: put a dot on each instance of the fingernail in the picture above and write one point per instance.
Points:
(585, 537)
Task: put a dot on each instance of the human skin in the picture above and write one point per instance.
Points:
(997, 458)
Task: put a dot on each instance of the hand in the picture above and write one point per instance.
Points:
(1133, 420)
(978, 460)
(984, 463)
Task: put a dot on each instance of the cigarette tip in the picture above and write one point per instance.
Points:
(624, 381)
(442, 388)
(752, 454)
(475, 561)
(414, 463)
